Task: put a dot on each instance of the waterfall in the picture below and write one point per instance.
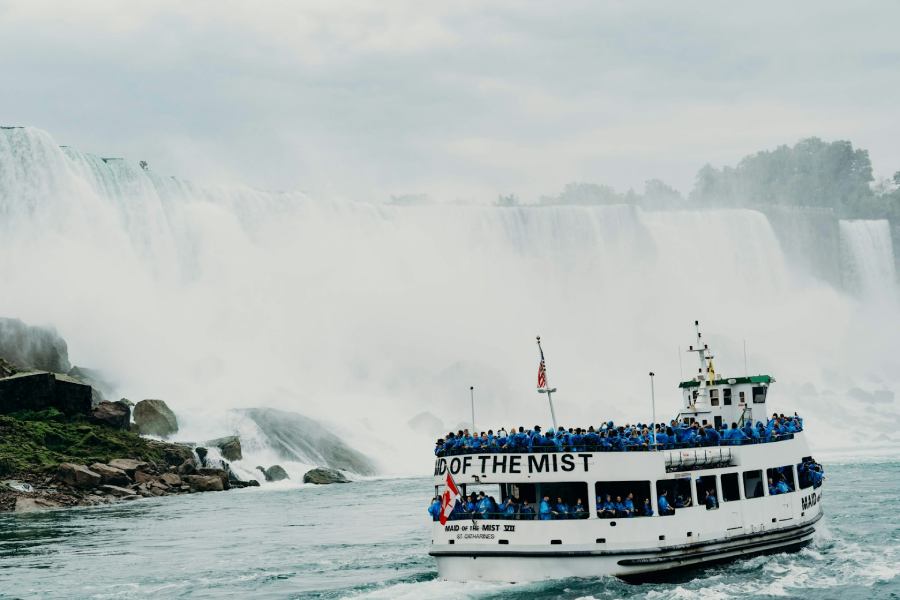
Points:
(868, 258)
(219, 297)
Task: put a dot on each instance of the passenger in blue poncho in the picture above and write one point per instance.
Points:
(562, 510)
(470, 504)
(609, 508)
(773, 491)
(509, 509)
(783, 487)
(545, 514)
(628, 505)
(647, 510)
(663, 504)
(526, 512)
(483, 507)
(577, 441)
(680, 502)
(710, 501)
(621, 511)
(435, 509)
(712, 436)
(578, 510)
(591, 439)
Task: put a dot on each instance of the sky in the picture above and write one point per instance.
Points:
(461, 100)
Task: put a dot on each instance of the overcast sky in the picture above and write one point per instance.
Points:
(457, 99)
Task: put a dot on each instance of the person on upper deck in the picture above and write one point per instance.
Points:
(590, 439)
(545, 513)
(536, 439)
(712, 436)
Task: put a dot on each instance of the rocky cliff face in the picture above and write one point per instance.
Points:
(298, 438)
(31, 347)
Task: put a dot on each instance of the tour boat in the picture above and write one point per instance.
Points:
(747, 520)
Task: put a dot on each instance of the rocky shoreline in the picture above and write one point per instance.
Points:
(63, 444)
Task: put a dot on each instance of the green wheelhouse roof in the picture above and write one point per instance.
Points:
(728, 381)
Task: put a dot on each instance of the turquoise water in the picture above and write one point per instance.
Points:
(370, 540)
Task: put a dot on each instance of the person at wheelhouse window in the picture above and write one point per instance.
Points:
(710, 500)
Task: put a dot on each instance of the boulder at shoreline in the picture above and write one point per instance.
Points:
(323, 476)
(154, 417)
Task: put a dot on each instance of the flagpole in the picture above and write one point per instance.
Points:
(653, 400)
(547, 389)
(472, 392)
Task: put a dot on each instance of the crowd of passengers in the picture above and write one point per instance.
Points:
(622, 438)
(481, 506)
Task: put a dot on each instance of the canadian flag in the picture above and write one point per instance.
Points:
(451, 494)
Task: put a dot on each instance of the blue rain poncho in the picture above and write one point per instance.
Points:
(435, 509)
(545, 511)
(663, 505)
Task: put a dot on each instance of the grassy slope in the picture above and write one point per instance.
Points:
(33, 442)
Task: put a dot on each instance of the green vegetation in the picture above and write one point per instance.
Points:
(36, 441)
(811, 173)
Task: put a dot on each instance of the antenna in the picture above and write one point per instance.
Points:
(746, 372)
(472, 393)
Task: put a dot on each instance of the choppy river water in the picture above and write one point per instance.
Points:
(370, 540)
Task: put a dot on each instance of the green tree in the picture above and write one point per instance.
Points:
(507, 201)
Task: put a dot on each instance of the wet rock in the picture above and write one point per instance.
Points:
(111, 414)
(114, 490)
(23, 504)
(144, 477)
(274, 473)
(129, 465)
(251, 483)
(110, 475)
(175, 454)
(324, 476)
(203, 483)
(220, 473)
(188, 467)
(229, 447)
(201, 454)
(154, 417)
(170, 479)
(77, 476)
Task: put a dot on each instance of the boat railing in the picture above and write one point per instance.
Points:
(595, 448)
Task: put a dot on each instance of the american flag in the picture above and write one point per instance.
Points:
(542, 378)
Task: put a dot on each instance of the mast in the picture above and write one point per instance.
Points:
(702, 351)
(546, 389)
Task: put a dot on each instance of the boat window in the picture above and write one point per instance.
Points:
(678, 492)
(707, 483)
(782, 478)
(569, 491)
(805, 480)
(753, 484)
(519, 492)
(726, 396)
(759, 394)
(714, 397)
(640, 491)
(731, 491)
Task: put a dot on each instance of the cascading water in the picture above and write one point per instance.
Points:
(363, 316)
(868, 256)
